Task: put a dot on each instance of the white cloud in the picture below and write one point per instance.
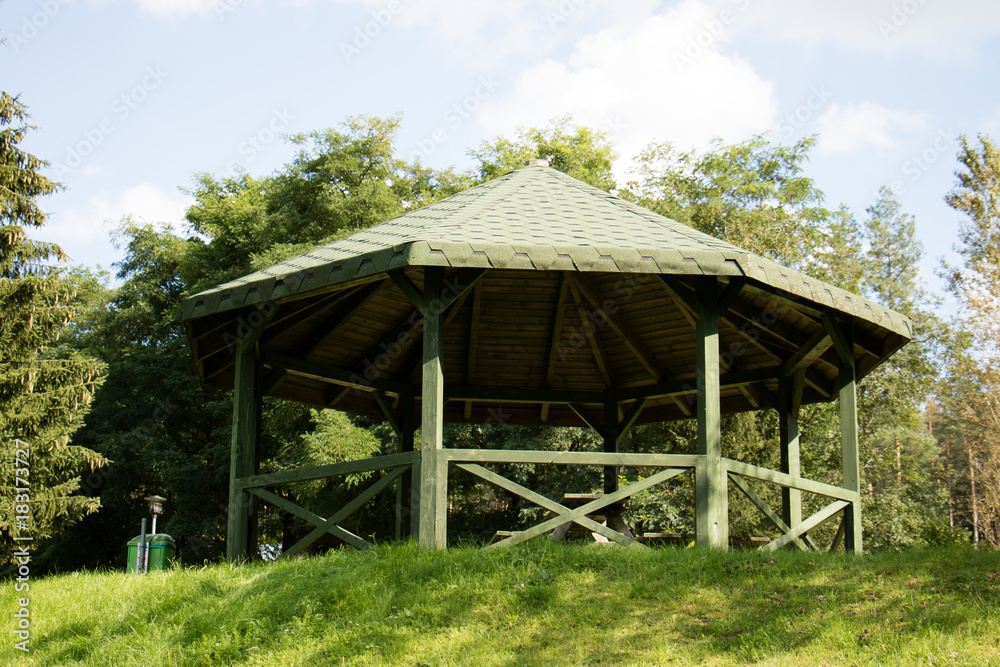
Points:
(865, 126)
(93, 222)
(940, 30)
(662, 78)
(183, 8)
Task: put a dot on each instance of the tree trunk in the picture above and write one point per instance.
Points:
(975, 507)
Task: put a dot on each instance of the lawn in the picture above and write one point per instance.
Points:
(537, 604)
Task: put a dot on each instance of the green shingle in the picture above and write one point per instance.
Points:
(534, 218)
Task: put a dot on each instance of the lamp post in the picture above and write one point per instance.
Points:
(155, 508)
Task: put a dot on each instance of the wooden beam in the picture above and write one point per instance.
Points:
(672, 285)
(241, 532)
(630, 417)
(388, 411)
(335, 394)
(350, 508)
(310, 517)
(623, 459)
(301, 311)
(814, 521)
(406, 286)
(635, 344)
(586, 415)
(527, 395)
(332, 374)
(433, 484)
(470, 366)
(804, 357)
(789, 399)
(340, 318)
(609, 433)
(325, 471)
(783, 479)
(711, 498)
(593, 336)
(850, 459)
(765, 509)
(593, 506)
(557, 324)
(273, 379)
(451, 302)
(406, 515)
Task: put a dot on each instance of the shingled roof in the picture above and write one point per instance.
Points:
(528, 228)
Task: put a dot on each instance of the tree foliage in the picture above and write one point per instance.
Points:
(45, 389)
(169, 434)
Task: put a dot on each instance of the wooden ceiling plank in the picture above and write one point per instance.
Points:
(328, 330)
(304, 312)
(557, 325)
(624, 331)
(593, 338)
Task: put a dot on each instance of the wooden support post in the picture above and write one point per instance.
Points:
(711, 488)
(241, 533)
(789, 399)
(609, 429)
(405, 520)
(849, 442)
(433, 528)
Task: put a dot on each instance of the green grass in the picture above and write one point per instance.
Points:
(539, 604)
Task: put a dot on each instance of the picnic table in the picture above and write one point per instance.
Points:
(609, 515)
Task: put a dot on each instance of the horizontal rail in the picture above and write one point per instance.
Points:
(330, 470)
(574, 458)
(786, 480)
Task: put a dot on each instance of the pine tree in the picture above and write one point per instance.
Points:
(45, 390)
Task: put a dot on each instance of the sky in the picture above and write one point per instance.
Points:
(132, 98)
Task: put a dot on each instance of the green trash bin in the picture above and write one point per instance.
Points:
(161, 552)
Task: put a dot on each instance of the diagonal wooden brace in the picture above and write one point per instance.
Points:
(762, 505)
(815, 520)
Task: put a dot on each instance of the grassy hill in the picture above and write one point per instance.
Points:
(539, 604)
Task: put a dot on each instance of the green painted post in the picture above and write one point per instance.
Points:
(711, 488)
(241, 538)
(789, 398)
(610, 434)
(849, 443)
(405, 519)
(433, 529)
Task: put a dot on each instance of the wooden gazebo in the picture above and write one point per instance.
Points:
(537, 299)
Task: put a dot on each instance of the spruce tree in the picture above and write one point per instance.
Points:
(45, 389)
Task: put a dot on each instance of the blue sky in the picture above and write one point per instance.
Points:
(132, 97)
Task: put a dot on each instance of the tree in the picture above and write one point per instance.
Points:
(167, 432)
(972, 385)
(582, 153)
(752, 194)
(45, 390)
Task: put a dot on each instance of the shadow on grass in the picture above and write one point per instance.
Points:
(539, 603)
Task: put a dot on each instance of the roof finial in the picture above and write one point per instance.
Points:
(536, 162)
